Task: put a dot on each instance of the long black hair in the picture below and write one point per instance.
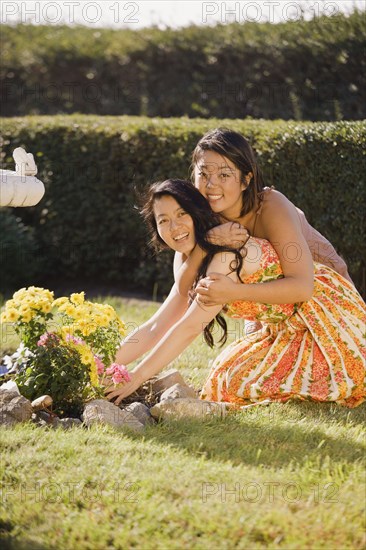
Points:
(235, 147)
(192, 202)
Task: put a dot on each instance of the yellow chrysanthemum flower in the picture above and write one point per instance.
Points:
(27, 316)
(86, 354)
(78, 314)
(12, 315)
(108, 309)
(104, 320)
(23, 309)
(86, 328)
(60, 301)
(84, 311)
(93, 373)
(46, 308)
(4, 317)
(77, 298)
(19, 294)
(121, 327)
(66, 331)
(69, 310)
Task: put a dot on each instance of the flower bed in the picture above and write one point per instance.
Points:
(67, 347)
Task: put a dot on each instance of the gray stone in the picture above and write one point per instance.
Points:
(166, 380)
(42, 402)
(178, 391)
(67, 423)
(45, 419)
(141, 412)
(14, 408)
(36, 419)
(43, 415)
(104, 412)
(41, 418)
(188, 408)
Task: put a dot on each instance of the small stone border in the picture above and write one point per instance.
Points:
(162, 397)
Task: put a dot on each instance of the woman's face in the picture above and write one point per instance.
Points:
(219, 181)
(174, 224)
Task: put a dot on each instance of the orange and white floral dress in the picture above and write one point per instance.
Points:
(313, 350)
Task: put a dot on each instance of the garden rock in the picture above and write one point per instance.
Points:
(166, 380)
(141, 412)
(67, 423)
(42, 402)
(44, 419)
(10, 386)
(187, 408)
(103, 412)
(178, 391)
(14, 408)
(41, 422)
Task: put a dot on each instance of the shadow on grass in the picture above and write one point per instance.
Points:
(8, 542)
(274, 436)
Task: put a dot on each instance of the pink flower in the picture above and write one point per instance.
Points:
(110, 370)
(117, 377)
(100, 364)
(119, 373)
(74, 339)
(45, 337)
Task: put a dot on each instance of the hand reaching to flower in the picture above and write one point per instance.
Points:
(123, 391)
(118, 373)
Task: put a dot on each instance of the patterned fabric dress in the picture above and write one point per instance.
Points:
(313, 350)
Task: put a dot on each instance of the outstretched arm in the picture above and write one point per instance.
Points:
(145, 337)
(175, 341)
(185, 269)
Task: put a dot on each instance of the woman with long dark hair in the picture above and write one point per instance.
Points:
(311, 349)
(226, 172)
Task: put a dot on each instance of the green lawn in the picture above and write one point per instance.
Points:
(282, 476)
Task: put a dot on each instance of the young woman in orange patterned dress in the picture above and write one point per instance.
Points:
(311, 348)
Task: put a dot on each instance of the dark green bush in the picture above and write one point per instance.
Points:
(18, 252)
(87, 229)
(304, 70)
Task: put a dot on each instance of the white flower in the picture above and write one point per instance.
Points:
(18, 360)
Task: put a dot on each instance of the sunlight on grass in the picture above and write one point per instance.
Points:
(280, 476)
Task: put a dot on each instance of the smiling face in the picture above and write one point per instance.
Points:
(174, 224)
(219, 181)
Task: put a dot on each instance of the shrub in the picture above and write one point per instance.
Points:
(86, 226)
(17, 251)
(311, 70)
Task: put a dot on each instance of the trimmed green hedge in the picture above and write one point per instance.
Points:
(303, 70)
(86, 227)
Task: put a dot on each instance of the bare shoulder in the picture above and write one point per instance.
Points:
(276, 207)
(221, 263)
(277, 199)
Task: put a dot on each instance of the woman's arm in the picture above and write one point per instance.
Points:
(185, 269)
(178, 261)
(175, 341)
(145, 337)
(281, 226)
(185, 273)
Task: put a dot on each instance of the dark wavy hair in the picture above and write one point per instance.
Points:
(192, 202)
(236, 148)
